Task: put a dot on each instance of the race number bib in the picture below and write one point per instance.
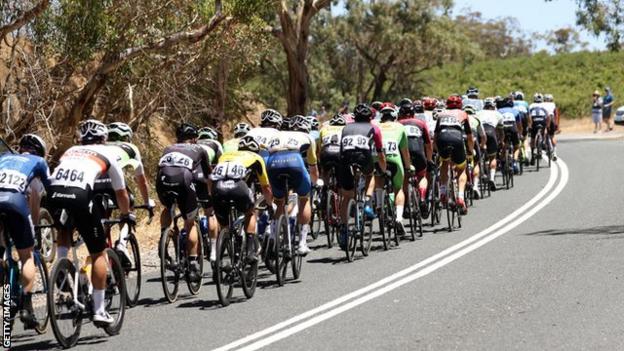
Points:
(333, 139)
(413, 132)
(176, 159)
(229, 170)
(392, 148)
(537, 116)
(355, 142)
(449, 121)
(509, 119)
(11, 179)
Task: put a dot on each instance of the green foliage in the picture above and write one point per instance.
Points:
(571, 78)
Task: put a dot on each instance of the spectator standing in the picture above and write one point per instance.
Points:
(597, 111)
(607, 107)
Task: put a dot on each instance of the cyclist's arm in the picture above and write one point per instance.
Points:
(468, 132)
(142, 183)
(119, 185)
(204, 163)
(405, 155)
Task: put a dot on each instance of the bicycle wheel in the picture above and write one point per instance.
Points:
(393, 232)
(65, 315)
(133, 272)
(328, 219)
(549, 149)
(282, 252)
(225, 267)
(169, 265)
(316, 221)
(115, 294)
(249, 272)
(436, 206)
(40, 294)
(367, 238)
(355, 216)
(195, 286)
(47, 236)
(538, 154)
(381, 220)
(415, 217)
(297, 260)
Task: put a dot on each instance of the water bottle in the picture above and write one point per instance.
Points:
(203, 225)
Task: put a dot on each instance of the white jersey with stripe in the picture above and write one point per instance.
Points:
(81, 165)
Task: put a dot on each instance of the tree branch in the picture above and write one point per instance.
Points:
(25, 18)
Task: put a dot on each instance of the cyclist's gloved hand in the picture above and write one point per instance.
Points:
(411, 170)
(150, 205)
(128, 218)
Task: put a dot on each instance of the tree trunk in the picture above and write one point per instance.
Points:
(297, 82)
(222, 78)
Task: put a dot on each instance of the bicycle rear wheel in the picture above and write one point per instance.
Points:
(133, 272)
(415, 217)
(331, 217)
(355, 217)
(115, 293)
(195, 286)
(169, 265)
(40, 294)
(316, 222)
(391, 224)
(65, 315)
(47, 244)
(282, 252)
(225, 267)
(436, 207)
(297, 260)
(249, 271)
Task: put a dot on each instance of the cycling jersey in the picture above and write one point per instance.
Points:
(295, 141)
(263, 136)
(330, 139)
(16, 174)
(213, 148)
(128, 155)
(418, 135)
(360, 142)
(431, 122)
(539, 116)
(511, 116)
(395, 139)
(73, 203)
(231, 145)
(477, 103)
(492, 118)
(522, 107)
(550, 107)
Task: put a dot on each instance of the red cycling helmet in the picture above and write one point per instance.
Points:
(454, 102)
(429, 103)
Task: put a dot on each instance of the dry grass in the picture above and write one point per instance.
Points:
(582, 126)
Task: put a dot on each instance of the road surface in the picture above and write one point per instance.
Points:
(536, 267)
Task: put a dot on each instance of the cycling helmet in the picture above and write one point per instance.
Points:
(286, 123)
(500, 102)
(538, 97)
(300, 124)
(314, 123)
(549, 98)
(92, 131)
(429, 103)
(248, 143)
(418, 106)
(469, 109)
(489, 104)
(186, 131)
(270, 117)
(207, 133)
(363, 112)
(440, 105)
(518, 95)
(33, 144)
(241, 129)
(406, 109)
(377, 105)
(337, 120)
(454, 102)
(119, 131)
(472, 91)
(388, 112)
(508, 101)
(405, 101)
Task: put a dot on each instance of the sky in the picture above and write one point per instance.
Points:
(533, 15)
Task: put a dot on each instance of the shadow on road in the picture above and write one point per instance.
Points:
(601, 230)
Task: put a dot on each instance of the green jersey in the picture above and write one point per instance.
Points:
(231, 145)
(394, 138)
(128, 155)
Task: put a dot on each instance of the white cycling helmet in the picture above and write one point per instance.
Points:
(549, 98)
(33, 143)
(538, 97)
(300, 124)
(207, 133)
(241, 129)
(270, 117)
(119, 131)
(92, 130)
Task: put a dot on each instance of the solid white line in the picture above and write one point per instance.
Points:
(549, 185)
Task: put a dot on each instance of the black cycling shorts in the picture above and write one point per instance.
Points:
(175, 186)
(83, 211)
(18, 222)
(361, 158)
(417, 153)
(553, 127)
(536, 126)
(492, 142)
(451, 146)
(329, 159)
(511, 136)
(231, 192)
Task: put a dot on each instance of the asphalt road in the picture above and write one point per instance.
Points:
(536, 267)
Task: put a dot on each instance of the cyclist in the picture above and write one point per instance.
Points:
(479, 138)
(472, 98)
(420, 148)
(450, 145)
(492, 122)
(328, 149)
(180, 168)
(523, 107)
(376, 107)
(207, 138)
(240, 130)
(232, 178)
(430, 105)
(396, 152)
(71, 192)
(20, 201)
(270, 123)
(511, 120)
(553, 112)
(539, 118)
(290, 153)
(128, 155)
(361, 142)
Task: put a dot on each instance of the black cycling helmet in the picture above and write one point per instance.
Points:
(186, 131)
(472, 91)
(508, 101)
(406, 109)
(248, 143)
(33, 144)
(362, 112)
(500, 102)
(405, 101)
(338, 120)
(418, 106)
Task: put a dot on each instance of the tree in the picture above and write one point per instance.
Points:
(564, 40)
(21, 19)
(295, 17)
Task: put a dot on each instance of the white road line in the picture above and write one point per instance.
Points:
(549, 185)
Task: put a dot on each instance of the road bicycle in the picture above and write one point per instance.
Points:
(415, 219)
(10, 277)
(542, 143)
(356, 221)
(174, 258)
(387, 214)
(453, 215)
(433, 194)
(70, 299)
(232, 264)
(331, 199)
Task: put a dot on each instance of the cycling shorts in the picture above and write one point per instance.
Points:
(17, 219)
(329, 159)
(83, 211)
(229, 192)
(417, 155)
(362, 158)
(289, 163)
(511, 136)
(553, 127)
(175, 185)
(451, 146)
(536, 126)
(103, 186)
(492, 141)
(395, 166)
(525, 127)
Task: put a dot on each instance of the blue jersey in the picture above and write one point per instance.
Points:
(511, 116)
(477, 103)
(17, 171)
(522, 107)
